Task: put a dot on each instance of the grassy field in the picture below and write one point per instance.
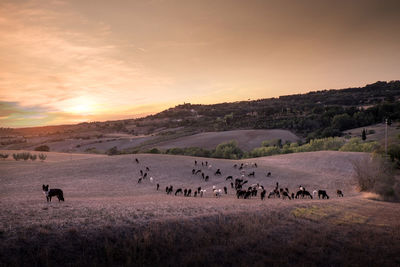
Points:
(108, 219)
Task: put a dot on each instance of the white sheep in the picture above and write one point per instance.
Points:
(151, 179)
(314, 193)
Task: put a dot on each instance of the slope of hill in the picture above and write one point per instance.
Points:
(108, 218)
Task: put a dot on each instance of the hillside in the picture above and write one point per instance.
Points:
(109, 219)
(314, 115)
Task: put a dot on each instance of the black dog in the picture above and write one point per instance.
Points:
(52, 193)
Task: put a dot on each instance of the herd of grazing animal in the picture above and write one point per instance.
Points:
(236, 184)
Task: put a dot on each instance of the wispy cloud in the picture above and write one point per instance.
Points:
(51, 66)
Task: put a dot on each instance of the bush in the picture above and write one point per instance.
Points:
(44, 148)
(16, 157)
(228, 150)
(357, 145)
(113, 151)
(154, 151)
(42, 157)
(265, 151)
(376, 175)
(33, 157)
(3, 156)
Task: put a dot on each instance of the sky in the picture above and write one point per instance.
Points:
(65, 62)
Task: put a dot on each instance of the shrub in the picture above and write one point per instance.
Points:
(16, 157)
(357, 145)
(265, 151)
(42, 157)
(113, 151)
(154, 151)
(228, 150)
(3, 156)
(25, 155)
(33, 157)
(376, 174)
(44, 148)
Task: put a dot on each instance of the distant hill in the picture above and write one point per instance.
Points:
(315, 114)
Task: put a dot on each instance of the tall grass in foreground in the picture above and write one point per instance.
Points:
(250, 239)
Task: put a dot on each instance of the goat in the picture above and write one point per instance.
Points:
(251, 174)
(218, 172)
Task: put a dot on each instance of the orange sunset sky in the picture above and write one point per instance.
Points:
(65, 62)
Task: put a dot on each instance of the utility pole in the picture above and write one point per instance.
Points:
(386, 134)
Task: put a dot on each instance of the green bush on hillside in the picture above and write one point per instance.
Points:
(357, 145)
(228, 150)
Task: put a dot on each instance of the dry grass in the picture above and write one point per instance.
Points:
(110, 220)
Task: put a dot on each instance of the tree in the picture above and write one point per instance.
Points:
(364, 135)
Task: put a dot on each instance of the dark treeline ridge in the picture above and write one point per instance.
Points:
(316, 114)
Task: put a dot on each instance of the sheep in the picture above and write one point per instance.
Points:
(189, 193)
(218, 172)
(137, 161)
(198, 171)
(202, 192)
(251, 174)
(323, 194)
(231, 185)
(202, 175)
(178, 191)
(268, 174)
(235, 166)
(147, 169)
(209, 167)
(169, 189)
(314, 193)
(229, 178)
(185, 192)
(158, 186)
(225, 190)
(198, 189)
(195, 162)
(303, 194)
(195, 194)
(217, 193)
(263, 194)
(151, 179)
(206, 179)
(339, 193)
(193, 171)
(139, 181)
(145, 175)
(240, 193)
(141, 173)
(285, 195)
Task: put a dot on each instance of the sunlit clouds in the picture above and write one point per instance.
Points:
(70, 61)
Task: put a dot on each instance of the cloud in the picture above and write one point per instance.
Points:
(48, 64)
